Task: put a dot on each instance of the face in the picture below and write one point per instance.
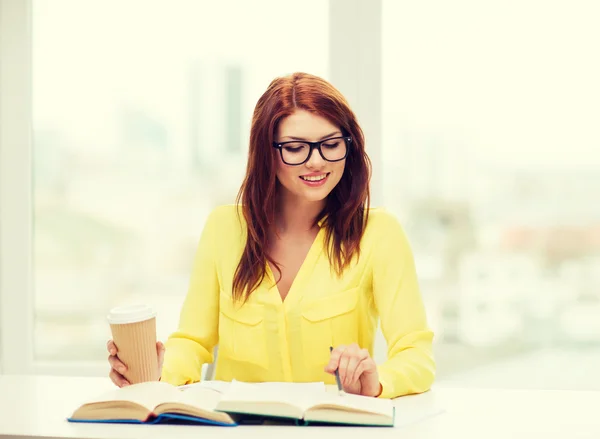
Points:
(316, 178)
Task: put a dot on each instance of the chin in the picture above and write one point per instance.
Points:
(315, 198)
(315, 195)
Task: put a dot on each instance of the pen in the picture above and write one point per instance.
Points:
(337, 377)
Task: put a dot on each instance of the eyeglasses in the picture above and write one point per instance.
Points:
(297, 152)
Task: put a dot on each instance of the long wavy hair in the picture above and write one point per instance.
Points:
(346, 209)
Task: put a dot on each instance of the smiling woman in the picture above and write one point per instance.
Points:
(297, 107)
(303, 212)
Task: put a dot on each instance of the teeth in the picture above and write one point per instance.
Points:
(314, 178)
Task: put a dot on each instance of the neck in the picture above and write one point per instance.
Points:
(296, 215)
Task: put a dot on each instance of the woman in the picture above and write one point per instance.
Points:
(301, 263)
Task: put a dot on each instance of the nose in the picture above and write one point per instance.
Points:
(315, 161)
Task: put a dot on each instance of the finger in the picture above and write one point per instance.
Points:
(117, 364)
(354, 356)
(160, 350)
(366, 363)
(353, 363)
(360, 368)
(118, 379)
(334, 359)
(111, 347)
(364, 366)
(343, 367)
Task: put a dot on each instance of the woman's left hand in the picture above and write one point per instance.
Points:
(358, 371)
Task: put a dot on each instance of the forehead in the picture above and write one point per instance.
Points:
(305, 124)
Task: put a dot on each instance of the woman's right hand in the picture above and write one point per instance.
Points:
(117, 368)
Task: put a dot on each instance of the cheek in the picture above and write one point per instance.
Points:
(339, 171)
(285, 173)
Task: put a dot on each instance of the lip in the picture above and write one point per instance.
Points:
(315, 183)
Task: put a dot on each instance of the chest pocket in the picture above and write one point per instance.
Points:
(329, 321)
(242, 335)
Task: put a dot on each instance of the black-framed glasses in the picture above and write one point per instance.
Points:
(298, 152)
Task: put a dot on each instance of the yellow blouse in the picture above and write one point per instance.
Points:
(268, 339)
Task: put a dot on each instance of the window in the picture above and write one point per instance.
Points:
(141, 121)
(491, 159)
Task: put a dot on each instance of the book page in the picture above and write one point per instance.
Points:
(204, 398)
(148, 394)
(300, 395)
(356, 403)
(219, 386)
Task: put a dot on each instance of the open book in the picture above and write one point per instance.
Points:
(154, 402)
(233, 404)
(306, 404)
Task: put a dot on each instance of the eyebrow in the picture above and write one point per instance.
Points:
(304, 140)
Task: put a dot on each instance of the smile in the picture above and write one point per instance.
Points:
(314, 177)
(314, 180)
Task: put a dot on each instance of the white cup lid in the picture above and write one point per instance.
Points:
(130, 314)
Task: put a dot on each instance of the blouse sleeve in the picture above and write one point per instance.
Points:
(410, 366)
(191, 345)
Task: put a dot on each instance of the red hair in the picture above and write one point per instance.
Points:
(346, 210)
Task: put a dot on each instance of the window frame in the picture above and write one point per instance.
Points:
(16, 280)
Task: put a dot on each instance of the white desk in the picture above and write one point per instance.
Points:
(36, 407)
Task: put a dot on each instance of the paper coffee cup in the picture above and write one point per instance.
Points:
(133, 329)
